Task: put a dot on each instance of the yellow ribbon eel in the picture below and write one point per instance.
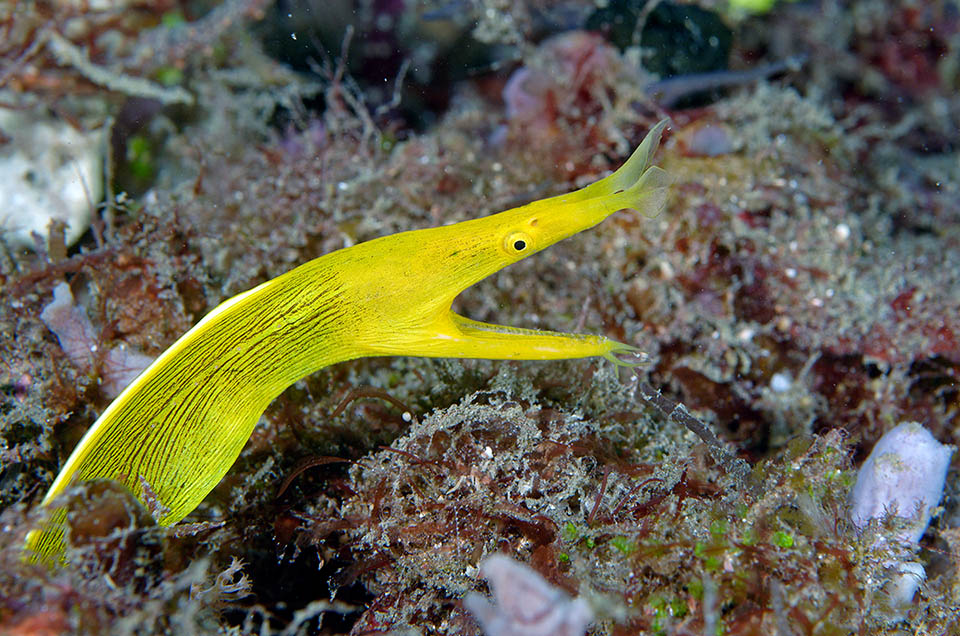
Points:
(181, 424)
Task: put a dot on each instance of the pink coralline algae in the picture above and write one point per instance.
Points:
(525, 604)
(576, 64)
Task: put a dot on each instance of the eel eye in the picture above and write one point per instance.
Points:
(517, 243)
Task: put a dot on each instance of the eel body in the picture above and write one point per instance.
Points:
(180, 425)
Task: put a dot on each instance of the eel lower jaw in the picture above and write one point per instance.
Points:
(625, 355)
(475, 339)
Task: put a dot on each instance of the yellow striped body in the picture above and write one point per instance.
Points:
(182, 423)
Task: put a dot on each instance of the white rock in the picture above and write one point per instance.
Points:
(905, 580)
(781, 382)
(48, 170)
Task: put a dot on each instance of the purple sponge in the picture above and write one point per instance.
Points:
(904, 475)
(525, 604)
